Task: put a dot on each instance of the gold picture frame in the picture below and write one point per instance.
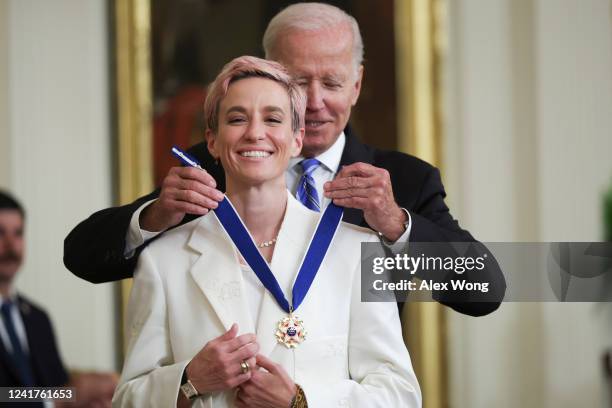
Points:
(420, 39)
(131, 22)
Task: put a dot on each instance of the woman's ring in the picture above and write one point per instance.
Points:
(244, 367)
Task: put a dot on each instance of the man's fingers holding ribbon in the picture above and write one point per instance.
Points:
(368, 188)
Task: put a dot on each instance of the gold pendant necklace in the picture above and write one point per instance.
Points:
(268, 243)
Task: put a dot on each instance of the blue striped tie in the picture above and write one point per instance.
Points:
(21, 360)
(307, 192)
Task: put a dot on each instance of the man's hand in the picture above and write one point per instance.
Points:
(185, 190)
(271, 388)
(217, 366)
(368, 188)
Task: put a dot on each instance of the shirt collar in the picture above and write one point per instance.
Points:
(329, 158)
(12, 296)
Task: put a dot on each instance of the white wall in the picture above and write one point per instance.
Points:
(4, 139)
(58, 138)
(529, 139)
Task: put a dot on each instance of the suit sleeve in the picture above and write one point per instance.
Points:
(379, 364)
(432, 222)
(431, 218)
(149, 377)
(94, 249)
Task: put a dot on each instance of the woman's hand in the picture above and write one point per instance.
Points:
(217, 367)
(266, 389)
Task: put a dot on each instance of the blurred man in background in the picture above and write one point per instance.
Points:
(29, 355)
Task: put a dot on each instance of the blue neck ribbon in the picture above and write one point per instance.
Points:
(320, 242)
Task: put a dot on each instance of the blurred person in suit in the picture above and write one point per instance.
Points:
(29, 356)
(397, 195)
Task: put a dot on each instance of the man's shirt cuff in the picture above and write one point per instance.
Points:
(136, 236)
(401, 244)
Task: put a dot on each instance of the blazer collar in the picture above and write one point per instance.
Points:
(218, 275)
(217, 271)
(354, 150)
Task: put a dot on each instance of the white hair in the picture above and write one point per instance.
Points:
(312, 17)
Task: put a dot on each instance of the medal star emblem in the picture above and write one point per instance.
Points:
(290, 331)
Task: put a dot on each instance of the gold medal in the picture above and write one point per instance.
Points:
(290, 331)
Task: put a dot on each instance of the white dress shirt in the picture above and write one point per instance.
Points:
(254, 289)
(17, 322)
(327, 170)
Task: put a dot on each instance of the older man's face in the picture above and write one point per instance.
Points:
(11, 244)
(323, 64)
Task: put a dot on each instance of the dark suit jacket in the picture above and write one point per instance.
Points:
(94, 249)
(47, 365)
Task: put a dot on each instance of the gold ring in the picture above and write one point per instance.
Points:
(244, 367)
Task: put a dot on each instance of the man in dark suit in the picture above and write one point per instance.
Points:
(28, 351)
(395, 194)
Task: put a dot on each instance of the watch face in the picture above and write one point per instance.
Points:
(189, 390)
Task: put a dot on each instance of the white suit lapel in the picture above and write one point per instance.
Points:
(294, 235)
(217, 273)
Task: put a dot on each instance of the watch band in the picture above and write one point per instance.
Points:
(406, 224)
(187, 387)
(299, 400)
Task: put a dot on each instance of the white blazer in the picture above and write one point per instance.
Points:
(188, 289)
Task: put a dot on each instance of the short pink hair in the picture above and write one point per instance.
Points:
(248, 67)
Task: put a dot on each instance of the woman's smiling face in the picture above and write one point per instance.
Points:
(254, 140)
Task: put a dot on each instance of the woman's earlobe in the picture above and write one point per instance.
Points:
(299, 142)
(210, 143)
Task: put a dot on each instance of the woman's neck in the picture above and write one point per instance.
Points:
(261, 208)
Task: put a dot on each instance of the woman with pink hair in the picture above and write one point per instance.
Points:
(258, 304)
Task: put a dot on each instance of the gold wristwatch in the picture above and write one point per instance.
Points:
(187, 387)
(299, 400)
